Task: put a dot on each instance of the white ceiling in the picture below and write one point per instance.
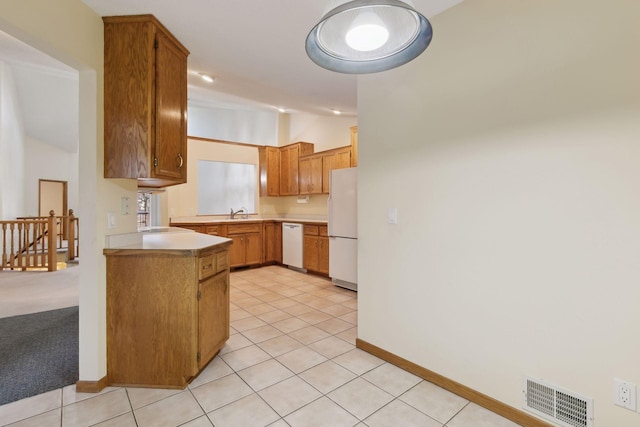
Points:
(47, 90)
(255, 49)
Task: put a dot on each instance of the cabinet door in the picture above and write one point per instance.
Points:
(305, 176)
(269, 171)
(316, 175)
(236, 251)
(336, 160)
(323, 255)
(213, 316)
(272, 242)
(278, 242)
(171, 100)
(310, 253)
(342, 159)
(289, 171)
(253, 248)
(327, 166)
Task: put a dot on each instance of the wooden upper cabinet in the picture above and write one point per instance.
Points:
(311, 174)
(269, 158)
(289, 158)
(145, 91)
(339, 158)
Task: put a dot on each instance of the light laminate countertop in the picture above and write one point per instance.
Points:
(179, 241)
(195, 220)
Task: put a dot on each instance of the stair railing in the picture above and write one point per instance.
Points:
(29, 243)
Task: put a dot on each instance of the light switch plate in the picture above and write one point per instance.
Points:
(111, 220)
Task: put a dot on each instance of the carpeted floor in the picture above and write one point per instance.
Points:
(38, 353)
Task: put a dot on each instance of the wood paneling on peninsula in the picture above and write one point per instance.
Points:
(167, 310)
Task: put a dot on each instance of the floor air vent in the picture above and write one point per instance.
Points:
(555, 404)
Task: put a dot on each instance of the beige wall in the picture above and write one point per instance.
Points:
(73, 34)
(510, 149)
(325, 132)
(183, 199)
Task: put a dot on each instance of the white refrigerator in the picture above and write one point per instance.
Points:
(343, 228)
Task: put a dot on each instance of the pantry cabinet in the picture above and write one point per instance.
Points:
(145, 102)
(316, 248)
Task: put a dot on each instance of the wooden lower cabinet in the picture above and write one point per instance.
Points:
(213, 330)
(272, 242)
(247, 244)
(316, 248)
(167, 314)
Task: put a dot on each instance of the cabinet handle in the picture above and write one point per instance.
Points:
(207, 267)
(181, 160)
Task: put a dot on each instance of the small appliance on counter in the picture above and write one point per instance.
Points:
(343, 229)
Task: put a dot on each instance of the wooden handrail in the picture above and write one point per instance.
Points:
(32, 242)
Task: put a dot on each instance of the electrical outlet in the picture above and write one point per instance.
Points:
(624, 394)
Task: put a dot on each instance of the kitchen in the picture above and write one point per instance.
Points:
(494, 132)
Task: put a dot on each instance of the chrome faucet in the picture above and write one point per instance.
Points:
(233, 214)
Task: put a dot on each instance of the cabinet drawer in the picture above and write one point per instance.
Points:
(243, 228)
(207, 265)
(212, 229)
(311, 230)
(322, 230)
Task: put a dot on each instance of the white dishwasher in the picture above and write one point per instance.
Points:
(292, 244)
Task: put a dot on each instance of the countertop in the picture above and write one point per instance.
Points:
(179, 241)
(226, 220)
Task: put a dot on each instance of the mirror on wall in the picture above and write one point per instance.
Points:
(223, 186)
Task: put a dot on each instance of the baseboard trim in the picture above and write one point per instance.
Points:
(500, 408)
(91, 386)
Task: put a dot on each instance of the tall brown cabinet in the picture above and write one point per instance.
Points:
(145, 102)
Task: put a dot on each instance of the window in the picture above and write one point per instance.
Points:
(144, 213)
(224, 186)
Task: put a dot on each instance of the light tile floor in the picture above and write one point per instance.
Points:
(291, 360)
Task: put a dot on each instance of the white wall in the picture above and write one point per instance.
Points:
(234, 125)
(45, 161)
(510, 149)
(182, 200)
(11, 148)
(326, 132)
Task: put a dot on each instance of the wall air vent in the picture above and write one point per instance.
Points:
(558, 405)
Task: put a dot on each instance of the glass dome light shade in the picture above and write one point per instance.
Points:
(409, 35)
(367, 32)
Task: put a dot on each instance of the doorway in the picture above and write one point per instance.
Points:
(52, 196)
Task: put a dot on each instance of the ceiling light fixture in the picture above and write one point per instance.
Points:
(368, 36)
(206, 78)
(337, 112)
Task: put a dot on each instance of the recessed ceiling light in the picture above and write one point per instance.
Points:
(336, 112)
(207, 78)
(282, 110)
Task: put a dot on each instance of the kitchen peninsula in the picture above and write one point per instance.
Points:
(167, 306)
